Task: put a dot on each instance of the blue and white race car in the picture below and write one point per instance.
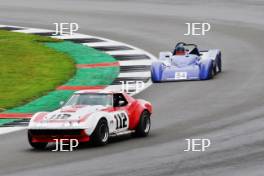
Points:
(186, 62)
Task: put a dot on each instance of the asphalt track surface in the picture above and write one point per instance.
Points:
(228, 110)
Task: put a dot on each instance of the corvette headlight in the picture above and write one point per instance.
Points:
(67, 124)
(75, 124)
(71, 124)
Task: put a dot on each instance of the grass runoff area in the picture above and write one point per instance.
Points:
(29, 69)
(83, 76)
(31, 74)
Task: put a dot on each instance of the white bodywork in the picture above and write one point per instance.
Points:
(210, 54)
(166, 56)
(82, 117)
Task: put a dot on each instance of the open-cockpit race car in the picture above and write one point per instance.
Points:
(186, 62)
(91, 116)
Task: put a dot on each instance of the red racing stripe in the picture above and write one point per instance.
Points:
(79, 87)
(15, 116)
(104, 64)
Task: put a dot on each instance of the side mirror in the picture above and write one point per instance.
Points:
(121, 103)
(62, 103)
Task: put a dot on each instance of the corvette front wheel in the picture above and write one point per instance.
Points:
(36, 145)
(143, 127)
(100, 135)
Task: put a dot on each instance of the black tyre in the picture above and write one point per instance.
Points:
(36, 145)
(156, 81)
(211, 72)
(144, 125)
(215, 70)
(219, 65)
(100, 135)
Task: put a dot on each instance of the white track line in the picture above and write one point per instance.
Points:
(4, 130)
(28, 31)
(109, 43)
(128, 52)
(134, 74)
(11, 26)
(74, 36)
(135, 62)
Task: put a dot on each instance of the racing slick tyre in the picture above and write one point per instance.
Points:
(143, 127)
(219, 64)
(36, 145)
(100, 135)
(215, 69)
(156, 72)
(211, 72)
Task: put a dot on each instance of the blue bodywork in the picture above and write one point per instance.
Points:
(186, 67)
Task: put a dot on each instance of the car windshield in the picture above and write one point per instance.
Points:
(90, 99)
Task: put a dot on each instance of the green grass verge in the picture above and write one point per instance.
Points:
(30, 69)
(94, 76)
(45, 103)
(83, 77)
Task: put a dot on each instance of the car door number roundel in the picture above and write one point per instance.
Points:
(121, 120)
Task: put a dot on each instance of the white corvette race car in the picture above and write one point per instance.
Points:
(91, 116)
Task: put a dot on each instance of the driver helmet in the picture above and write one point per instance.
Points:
(179, 50)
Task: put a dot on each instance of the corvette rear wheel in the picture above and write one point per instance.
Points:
(36, 145)
(100, 135)
(143, 127)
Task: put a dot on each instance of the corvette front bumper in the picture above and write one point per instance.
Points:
(50, 135)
